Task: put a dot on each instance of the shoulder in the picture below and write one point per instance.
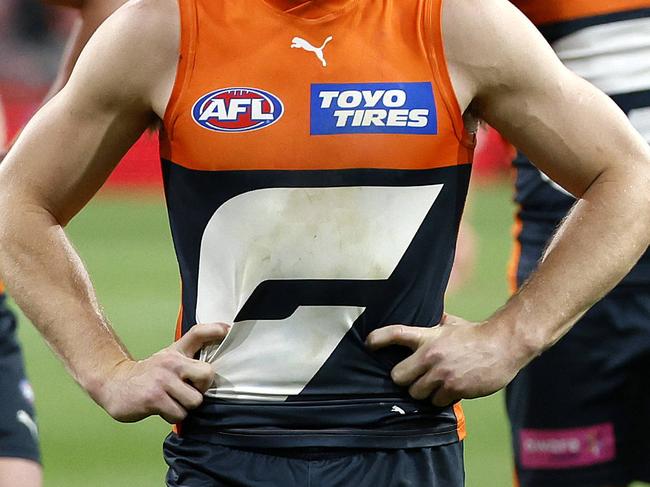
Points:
(151, 20)
(490, 46)
(132, 54)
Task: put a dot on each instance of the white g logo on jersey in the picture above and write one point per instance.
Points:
(348, 233)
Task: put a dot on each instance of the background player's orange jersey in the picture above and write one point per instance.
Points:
(542, 12)
(316, 165)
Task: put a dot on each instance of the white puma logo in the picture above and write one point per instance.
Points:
(397, 409)
(24, 418)
(300, 43)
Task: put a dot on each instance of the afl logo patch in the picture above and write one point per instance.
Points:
(237, 110)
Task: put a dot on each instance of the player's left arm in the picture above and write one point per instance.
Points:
(504, 72)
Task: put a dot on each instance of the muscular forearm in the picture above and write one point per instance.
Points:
(45, 275)
(596, 246)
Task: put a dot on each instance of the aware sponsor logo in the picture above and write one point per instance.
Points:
(237, 110)
(567, 448)
(373, 108)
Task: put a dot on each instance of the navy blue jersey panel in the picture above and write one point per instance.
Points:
(196, 195)
(636, 99)
(18, 435)
(351, 397)
(7, 327)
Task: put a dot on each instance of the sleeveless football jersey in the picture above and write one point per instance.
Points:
(315, 165)
(608, 44)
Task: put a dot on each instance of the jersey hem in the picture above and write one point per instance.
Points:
(24, 454)
(327, 438)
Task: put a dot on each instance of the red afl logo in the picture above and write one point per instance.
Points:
(237, 110)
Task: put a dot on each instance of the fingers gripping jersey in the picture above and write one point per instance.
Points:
(316, 166)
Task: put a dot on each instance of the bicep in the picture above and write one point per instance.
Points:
(67, 151)
(570, 130)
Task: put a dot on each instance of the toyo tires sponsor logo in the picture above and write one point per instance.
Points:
(237, 110)
(373, 108)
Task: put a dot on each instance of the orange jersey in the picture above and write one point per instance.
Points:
(316, 164)
(368, 45)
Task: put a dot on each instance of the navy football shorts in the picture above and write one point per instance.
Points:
(18, 432)
(580, 413)
(197, 464)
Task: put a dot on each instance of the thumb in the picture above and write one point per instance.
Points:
(200, 335)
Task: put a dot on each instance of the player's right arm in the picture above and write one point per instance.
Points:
(57, 164)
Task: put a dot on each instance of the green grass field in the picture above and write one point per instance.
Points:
(126, 245)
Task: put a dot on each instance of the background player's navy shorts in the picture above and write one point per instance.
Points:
(580, 413)
(196, 464)
(18, 433)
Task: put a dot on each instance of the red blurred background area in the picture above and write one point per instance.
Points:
(492, 156)
(140, 168)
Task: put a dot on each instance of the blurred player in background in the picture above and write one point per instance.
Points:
(91, 14)
(314, 230)
(19, 450)
(580, 413)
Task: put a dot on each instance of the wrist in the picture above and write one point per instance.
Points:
(98, 381)
(523, 338)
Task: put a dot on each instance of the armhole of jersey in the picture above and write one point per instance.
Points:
(187, 53)
(438, 62)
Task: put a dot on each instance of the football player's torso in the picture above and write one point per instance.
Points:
(608, 44)
(316, 165)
